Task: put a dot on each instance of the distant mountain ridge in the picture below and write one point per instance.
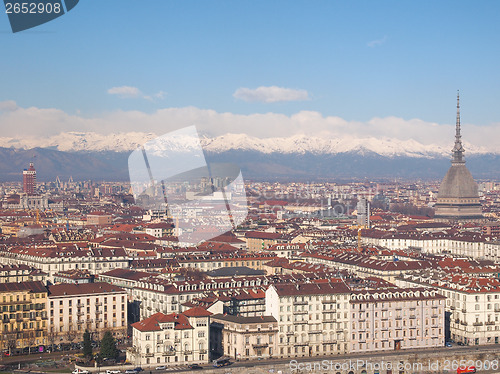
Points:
(255, 165)
(296, 144)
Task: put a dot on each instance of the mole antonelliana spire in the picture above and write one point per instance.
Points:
(458, 196)
(458, 149)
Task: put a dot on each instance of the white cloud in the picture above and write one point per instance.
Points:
(377, 42)
(9, 105)
(270, 94)
(125, 91)
(133, 92)
(43, 122)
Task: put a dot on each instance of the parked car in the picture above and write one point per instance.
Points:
(80, 371)
(460, 343)
(138, 369)
(113, 371)
(130, 371)
(161, 367)
(448, 344)
(194, 367)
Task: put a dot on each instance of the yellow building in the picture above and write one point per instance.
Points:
(24, 316)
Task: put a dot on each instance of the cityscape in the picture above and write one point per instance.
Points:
(315, 270)
(249, 187)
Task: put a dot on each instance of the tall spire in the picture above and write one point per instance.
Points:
(458, 149)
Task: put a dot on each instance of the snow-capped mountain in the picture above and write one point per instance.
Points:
(296, 144)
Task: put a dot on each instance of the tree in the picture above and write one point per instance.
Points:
(108, 346)
(70, 335)
(51, 337)
(11, 341)
(87, 345)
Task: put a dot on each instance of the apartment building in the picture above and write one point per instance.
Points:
(452, 242)
(207, 262)
(472, 303)
(21, 273)
(52, 259)
(313, 318)
(260, 240)
(158, 295)
(75, 308)
(393, 319)
(171, 339)
(243, 338)
(365, 265)
(24, 315)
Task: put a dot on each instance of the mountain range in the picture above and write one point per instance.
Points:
(299, 157)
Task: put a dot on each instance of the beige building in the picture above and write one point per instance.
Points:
(96, 307)
(393, 319)
(259, 240)
(21, 273)
(244, 338)
(313, 318)
(99, 218)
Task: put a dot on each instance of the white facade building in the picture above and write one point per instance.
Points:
(171, 339)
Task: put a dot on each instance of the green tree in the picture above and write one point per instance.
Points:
(87, 345)
(108, 346)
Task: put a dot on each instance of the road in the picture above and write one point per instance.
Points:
(445, 351)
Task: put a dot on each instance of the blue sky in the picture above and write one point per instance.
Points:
(356, 60)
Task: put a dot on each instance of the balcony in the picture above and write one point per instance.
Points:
(434, 316)
(301, 312)
(188, 352)
(413, 317)
(303, 344)
(203, 351)
(169, 353)
(301, 322)
(149, 354)
(98, 303)
(300, 303)
(490, 323)
(316, 331)
(477, 324)
(262, 345)
(329, 301)
(177, 340)
(464, 310)
(289, 332)
(80, 314)
(452, 307)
